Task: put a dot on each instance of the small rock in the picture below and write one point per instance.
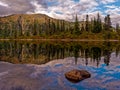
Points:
(77, 75)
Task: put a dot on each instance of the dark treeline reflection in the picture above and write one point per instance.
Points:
(43, 52)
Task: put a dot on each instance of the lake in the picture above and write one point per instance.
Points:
(41, 65)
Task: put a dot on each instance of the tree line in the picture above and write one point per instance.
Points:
(95, 25)
(22, 27)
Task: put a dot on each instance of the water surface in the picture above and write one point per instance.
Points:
(42, 65)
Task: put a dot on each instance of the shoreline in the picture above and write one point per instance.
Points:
(87, 40)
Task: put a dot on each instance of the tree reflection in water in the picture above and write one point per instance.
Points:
(43, 52)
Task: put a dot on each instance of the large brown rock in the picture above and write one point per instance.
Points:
(77, 75)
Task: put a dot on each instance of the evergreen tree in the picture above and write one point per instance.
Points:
(49, 27)
(20, 25)
(99, 23)
(82, 26)
(58, 26)
(118, 28)
(76, 26)
(53, 27)
(91, 25)
(35, 27)
(107, 21)
(94, 25)
(63, 25)
(87, 23)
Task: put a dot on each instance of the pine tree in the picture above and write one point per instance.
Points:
(35, 27)
(49, 26)
(58, 26)
(91, 25)
(99, 24)
(87, 23)
(118, 28)
(82, 26)
(94, 25)
(76, 26)
(53, 27)
(20, 26)
(63, 25)
(107, 21)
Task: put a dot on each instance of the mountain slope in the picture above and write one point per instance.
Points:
(30, 25)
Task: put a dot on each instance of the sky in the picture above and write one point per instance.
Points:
(63, 9)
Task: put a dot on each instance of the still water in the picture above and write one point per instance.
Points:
(36, 65)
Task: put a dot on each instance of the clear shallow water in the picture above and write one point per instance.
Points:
(41, 66)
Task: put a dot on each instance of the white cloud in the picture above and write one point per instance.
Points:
(60, 9)
(68, 8)
(113, 11)
(108, 1)
(3, 4)
(111, 6)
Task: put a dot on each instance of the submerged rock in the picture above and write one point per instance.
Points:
(77, 75)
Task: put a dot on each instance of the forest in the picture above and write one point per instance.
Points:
(40, 26)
